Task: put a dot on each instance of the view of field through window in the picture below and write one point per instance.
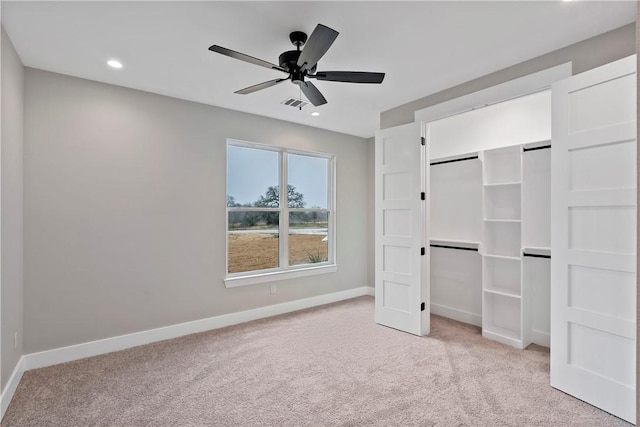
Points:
(254, 217)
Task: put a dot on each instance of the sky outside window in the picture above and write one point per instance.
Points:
(309, 176)
(251, 171)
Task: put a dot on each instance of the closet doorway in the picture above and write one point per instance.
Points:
(488, 210)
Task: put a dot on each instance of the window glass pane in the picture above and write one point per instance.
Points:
(252, 241)
(252, 177)
(308, 237)
(308, 180)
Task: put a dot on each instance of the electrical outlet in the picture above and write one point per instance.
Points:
(15, 340)
(273, 289)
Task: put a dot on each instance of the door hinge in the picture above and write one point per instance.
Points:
(423, 140)
(423, 251)
(423, 196)
(422, 306)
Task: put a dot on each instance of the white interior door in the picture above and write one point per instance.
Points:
(402, 284)
(593, 239)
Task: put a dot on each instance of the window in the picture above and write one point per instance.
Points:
(273, 234)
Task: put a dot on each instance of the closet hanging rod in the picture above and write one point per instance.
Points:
(441, 162)
(536, 255)
(454, 247)
(542, 147)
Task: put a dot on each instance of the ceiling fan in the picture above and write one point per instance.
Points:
(302, 63)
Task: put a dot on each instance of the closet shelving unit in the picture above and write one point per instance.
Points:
(504, 316)
(496, 203)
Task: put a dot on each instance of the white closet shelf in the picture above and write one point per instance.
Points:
(537, 144)
(537, 250)
(502, 184)
(504, 292)
(454, 242)
(501, 256)
(502, 220)
(458, 157)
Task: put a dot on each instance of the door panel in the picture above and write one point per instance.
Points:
(401, 285)
(593, 239)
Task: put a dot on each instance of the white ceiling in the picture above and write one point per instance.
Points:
(424, 47)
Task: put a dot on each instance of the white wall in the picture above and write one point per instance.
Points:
(125, 210)
(517, 121)
(11, 232)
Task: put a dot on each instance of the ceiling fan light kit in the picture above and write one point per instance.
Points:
(301, 64)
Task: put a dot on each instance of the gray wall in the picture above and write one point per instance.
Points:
(585, 55)
(125, 210)
(371, 165)
(11, 183)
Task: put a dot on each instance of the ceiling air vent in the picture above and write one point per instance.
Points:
(295, 103)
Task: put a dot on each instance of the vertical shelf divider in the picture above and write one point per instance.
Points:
(505, 316)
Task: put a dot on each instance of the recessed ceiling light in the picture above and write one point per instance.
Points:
(113, 63)
(315, 114)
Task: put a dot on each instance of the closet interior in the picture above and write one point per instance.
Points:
(489, 221)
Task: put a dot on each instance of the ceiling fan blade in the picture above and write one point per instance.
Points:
(319, 42)
(243, 57)
(312, 93)
(349, 76)
(259, 86)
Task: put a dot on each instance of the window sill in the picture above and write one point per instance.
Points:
(253, 279)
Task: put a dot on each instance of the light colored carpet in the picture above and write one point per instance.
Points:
(326, 366)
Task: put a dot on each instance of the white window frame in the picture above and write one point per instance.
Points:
(285, 271)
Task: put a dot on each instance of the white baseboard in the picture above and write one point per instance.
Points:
(371, 291)
(541, 338)
(455, 314)
(12, 385)
(122, 342)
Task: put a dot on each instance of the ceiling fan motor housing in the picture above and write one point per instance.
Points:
(289, 59)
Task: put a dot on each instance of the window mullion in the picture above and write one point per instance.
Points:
(284, 211)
